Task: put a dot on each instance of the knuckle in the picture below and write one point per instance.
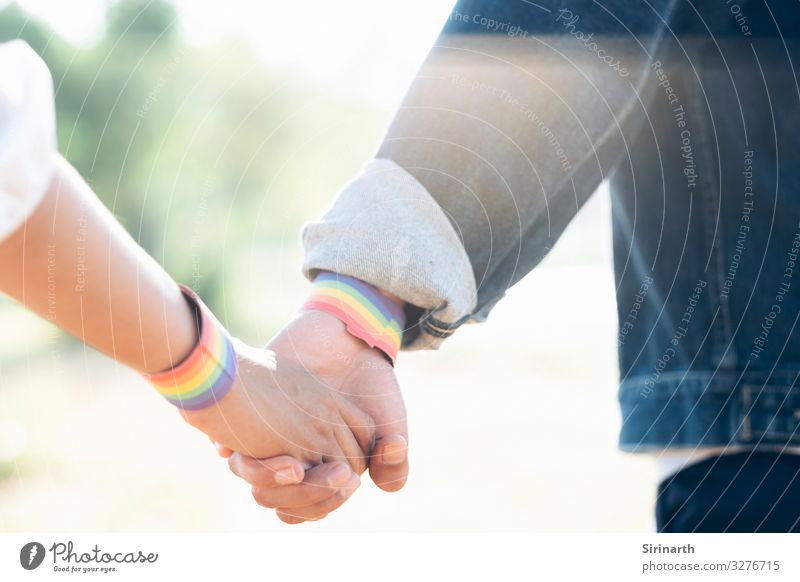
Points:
(326, 406)
(320, 431)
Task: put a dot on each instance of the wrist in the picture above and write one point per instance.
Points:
(320, 343)
(208, 372)
(180, 334)
(215, 421)
(237, 408)
(369, 314)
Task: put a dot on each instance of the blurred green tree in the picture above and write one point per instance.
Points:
(199, 152)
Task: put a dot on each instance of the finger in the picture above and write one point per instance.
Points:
(265, 473)
(388, 465)
(360, 426)
(323, 508)
(356, 437)
(222, 451)
(288, 519)
(381, 398)
(321, 483)
(352, 452)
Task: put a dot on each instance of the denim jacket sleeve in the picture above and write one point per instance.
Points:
(512, 122)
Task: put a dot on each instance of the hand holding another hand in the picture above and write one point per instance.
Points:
(361, 384)
(278, 408)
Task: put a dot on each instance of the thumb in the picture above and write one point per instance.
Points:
(388, 466)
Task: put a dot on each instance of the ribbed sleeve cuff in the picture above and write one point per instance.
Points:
(384, 228)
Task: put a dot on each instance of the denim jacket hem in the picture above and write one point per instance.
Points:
(710, 408)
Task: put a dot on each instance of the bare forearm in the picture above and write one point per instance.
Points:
(72, 263)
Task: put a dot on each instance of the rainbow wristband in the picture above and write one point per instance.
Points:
(208, 372)
(368, 314)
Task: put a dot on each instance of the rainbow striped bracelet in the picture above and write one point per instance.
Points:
(366, 312)
(208, 372)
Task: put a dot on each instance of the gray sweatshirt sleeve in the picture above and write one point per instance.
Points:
(497, 145)
(386, 229)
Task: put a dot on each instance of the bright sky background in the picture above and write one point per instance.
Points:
(377, 44)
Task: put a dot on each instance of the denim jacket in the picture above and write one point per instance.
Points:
(520, 110)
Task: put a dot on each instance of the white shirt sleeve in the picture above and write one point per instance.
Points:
(27, 133)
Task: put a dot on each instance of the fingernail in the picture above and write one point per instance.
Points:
(286, 476)
(394, 454)
(338, 474)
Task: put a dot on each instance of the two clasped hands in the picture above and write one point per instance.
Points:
(302, 425)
